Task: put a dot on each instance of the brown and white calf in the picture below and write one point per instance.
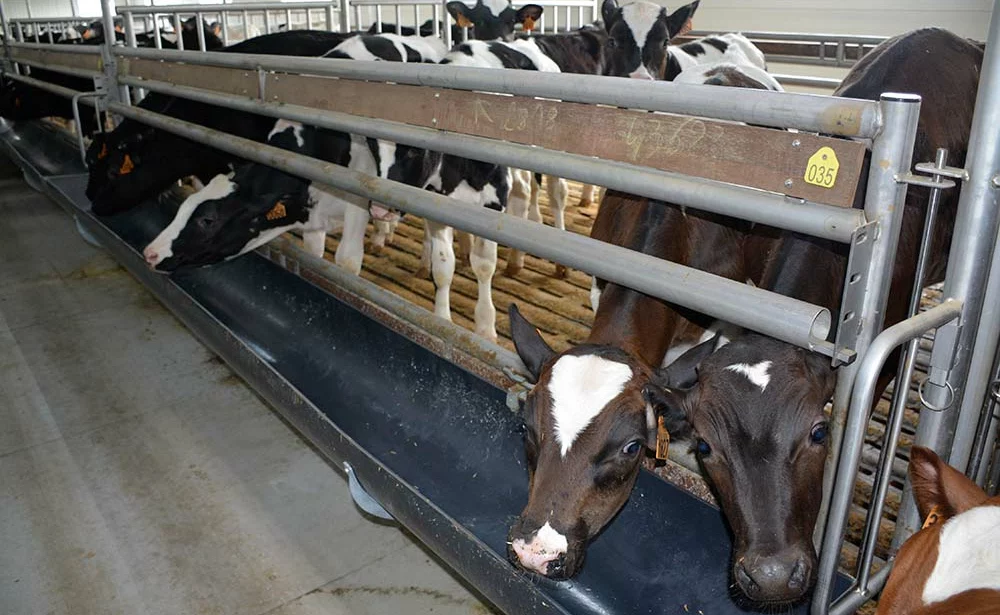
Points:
(754, 408)
(952, 565)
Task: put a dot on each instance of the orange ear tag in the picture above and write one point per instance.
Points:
(104, 152)
(932, 517)
(463, 21)
(662, 439)
(277, 212)
(529, 24)
(127, 166)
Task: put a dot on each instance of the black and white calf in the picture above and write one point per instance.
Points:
(731, 47)
(493, 19)
(520, 54)
(232, 216)
(639, 34)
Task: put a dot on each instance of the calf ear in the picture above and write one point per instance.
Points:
(532, 349)
(608, 11)
(683, 372)
(459, 11)
(677, 21)
(528, 13)
(935, 483)
(670, 404)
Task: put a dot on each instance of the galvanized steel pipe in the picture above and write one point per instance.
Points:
(784, 318)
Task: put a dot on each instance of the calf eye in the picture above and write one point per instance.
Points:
(818, 433)
(612, 43)
(206, 222)
(703, 448)
(632, 448)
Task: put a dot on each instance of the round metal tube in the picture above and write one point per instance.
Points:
(761, 107)
(868, 372)
(836, 223)
(903, 376)
(784, 318)
(50, 87)
(91, 50)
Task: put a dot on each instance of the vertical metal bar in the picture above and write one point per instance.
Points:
(288, 19)
(179, 29)
(442, 9)
(328, 11)
(157, 33)
(416, 18)
(130, 30)
(951, 433)
(200, 25)
(246, 25)
(986, 431)
(345, 16)
(267, 21)
(309, 20)
(904, 374)
(115, 92)
(378, 18)
(6, 36)
(224, 22)
(399, 22)
(884, 204)
(52, 40)
(357, 16)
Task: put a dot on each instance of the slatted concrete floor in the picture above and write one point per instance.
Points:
(138, 474)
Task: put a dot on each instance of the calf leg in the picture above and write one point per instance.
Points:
(314, 242)
(517, 205)
(464, 246)
(442, 254)
(351, 250)
(587, 192)
(595, 294)
(558, 193)
(484, 265)
(425, 255)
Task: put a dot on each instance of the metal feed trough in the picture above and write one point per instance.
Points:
(417, 408)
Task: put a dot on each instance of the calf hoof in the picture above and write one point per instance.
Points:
(512, 270)
(562, 272)
(422, 273)
(584, 203)
(375, 249)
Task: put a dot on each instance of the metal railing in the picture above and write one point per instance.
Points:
(890, 124)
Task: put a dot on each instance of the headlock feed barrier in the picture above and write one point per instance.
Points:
(596, 130)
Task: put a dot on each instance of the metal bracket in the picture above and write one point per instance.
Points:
(943, 353)
(931, 168)
(855, 285)
(361, 497)
(924, 181)
(517, 394)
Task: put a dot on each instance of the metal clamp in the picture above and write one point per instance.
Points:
(517, 394)
(361, 497)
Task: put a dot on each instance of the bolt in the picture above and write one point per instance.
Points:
(995, 181)
(788, 183)
(434, 120)
(796, 143)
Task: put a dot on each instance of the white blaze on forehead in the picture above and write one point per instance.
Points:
(580, 387)
(496, 6)
(282, 125)
(968, 557)
(756, 373)
(640, 17)
(220, 187)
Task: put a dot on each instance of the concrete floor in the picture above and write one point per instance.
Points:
(138, 474)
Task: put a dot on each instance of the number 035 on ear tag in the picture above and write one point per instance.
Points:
(822, 167)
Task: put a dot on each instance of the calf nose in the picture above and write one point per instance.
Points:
(778, 578)
(536, 557)
(642, 73)
(152, 258)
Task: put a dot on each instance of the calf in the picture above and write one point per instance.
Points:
(754, 409)
(639, 34)
(493, 19)
(136, 162)
(230, 217)
(952, 565)
(732, 47)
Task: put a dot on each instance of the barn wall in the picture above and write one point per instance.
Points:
(874, 17)
(40, 8)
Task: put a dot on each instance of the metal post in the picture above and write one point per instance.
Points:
(884, 206)
(200, 25)
(448, 43)
(116, 92)
(246, 24)
(904, 374)
(329, 18)
(6, 37)
(345, 16)
(951, 433)
(179, 30)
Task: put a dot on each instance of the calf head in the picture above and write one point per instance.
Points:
(638, 35)
(954, 555)
(230, 217)
(494, 19)
(755, 407)
(587, 423)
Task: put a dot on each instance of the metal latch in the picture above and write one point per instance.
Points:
(517, 394)
(362, 498)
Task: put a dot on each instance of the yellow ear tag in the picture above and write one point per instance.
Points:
(932, 517)
(277, 212)
(104, 152)
(662, 439)
(822, 167)
(529, 24)
(463, 21)
(127, 166)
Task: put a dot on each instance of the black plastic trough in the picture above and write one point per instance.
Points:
(434, 444)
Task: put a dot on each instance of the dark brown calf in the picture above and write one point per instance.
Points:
(962, 529)
(756, 407)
